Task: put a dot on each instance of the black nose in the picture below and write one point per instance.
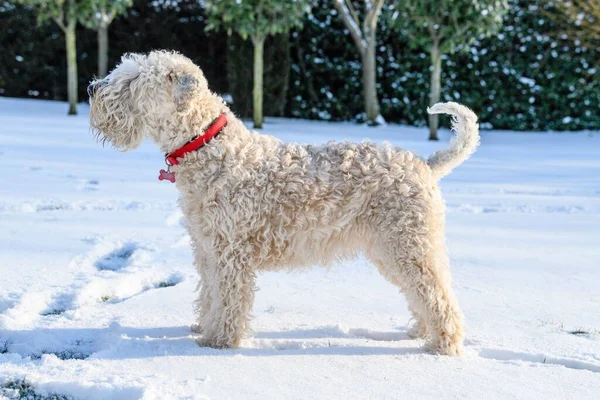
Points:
(90, 89)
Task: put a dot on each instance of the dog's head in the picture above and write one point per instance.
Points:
(158, 95)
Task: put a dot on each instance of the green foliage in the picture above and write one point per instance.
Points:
(91, 13)
(520, 79)
(256, 19)
(277, 64)
(448, 22)
(61, 11)
(524, 78)
(34, 63)
(578, 19)
(103, 12)
(325, 79)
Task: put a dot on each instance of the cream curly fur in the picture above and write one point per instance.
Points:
(253, 203)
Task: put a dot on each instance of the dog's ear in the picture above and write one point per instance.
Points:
(184, 87)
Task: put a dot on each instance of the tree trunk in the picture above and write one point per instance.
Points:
(277, 74)
(369, 81)
(257, 93)
(71, 66)
(434, 96)
(102, 50)
(365, 41)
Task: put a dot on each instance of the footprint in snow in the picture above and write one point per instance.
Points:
(124, 270)
(136, 290)
(60, 303)
(90, 185)
(512, 356)
(116, 259)
(105, 291)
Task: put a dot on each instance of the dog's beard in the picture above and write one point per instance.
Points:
(114, 124)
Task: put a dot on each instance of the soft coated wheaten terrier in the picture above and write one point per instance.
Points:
(252, 202)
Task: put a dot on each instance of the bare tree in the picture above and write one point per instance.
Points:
(365, 40)
(441, 25)
(102, 14)
(256, 19)
(65, 13)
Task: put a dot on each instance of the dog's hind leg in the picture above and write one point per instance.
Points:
(419, 328)
(425, 280)
(430, 292)
(393, 275)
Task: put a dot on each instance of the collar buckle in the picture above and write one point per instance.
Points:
(192, 145)
(170, 161)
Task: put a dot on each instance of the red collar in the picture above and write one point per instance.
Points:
(196, 143)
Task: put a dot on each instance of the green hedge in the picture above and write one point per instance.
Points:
(522, 79)
(33, 57)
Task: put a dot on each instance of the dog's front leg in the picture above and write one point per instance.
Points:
(205, 265)
(232, 299)
(205, 295)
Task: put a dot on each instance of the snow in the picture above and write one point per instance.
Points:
(527, 81)
(97, 283)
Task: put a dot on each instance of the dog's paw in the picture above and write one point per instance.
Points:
(453, 350)
(196, 328)
(447, 346)
(418, 331)
(217, 343)
(207, 342)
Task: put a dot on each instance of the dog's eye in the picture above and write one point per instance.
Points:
(171, 77)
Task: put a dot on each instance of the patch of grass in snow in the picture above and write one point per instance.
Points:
(68, 354)
(170, 281)
(584, 332)
(55, 311)
(21, 389)
(105, 298)
(578, 331)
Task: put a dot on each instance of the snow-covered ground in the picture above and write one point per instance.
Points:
(96, 281)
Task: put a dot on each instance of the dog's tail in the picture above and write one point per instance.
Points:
(464, 124)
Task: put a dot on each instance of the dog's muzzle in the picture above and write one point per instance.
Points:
(90, 89)
(93, 87)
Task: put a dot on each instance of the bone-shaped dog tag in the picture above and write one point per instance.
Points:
(166, 175)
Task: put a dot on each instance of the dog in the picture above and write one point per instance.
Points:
(252, 202)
